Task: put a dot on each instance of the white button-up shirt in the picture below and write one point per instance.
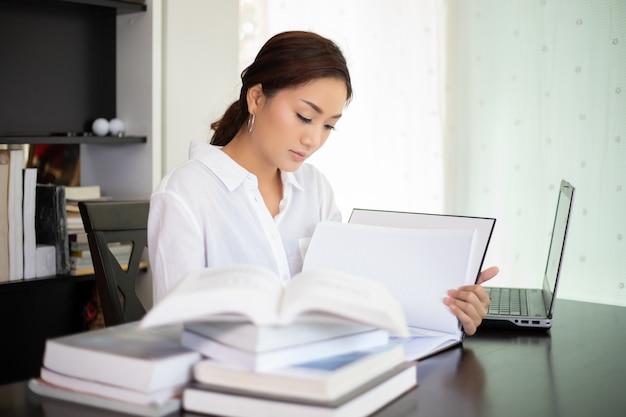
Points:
(209, 212)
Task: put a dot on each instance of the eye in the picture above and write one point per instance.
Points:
(330, 127)
(304, 119)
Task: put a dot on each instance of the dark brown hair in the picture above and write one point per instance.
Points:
(287, 60)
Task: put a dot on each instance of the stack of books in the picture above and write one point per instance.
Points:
(352, 384)
(74, 194)
(234, 341)
(17, 240)
(319, 346)
(81, 262)
(121, 368)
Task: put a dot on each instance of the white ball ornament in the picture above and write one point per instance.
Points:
(100, 127)
(116, 127)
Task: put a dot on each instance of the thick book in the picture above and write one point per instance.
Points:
(15, 214)
(125, 356)
(51, 223)
(262, 338)
(417, 266)
(362, 401)
(256, 295)
(272, 359)
(324, 380)
(82, 192)
(110, 391)
(28, 208)
(4, 217)
(93, 403)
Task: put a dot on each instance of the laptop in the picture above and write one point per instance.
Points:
(533, 308)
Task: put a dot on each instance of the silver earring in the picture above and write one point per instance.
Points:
(250, 123)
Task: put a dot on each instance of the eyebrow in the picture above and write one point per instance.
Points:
(318, 110)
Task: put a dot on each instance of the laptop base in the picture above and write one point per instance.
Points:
(534, 325)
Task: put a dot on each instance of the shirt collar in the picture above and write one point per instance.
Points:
(290, 178)
(227, 170)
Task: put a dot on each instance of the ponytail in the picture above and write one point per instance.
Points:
(227, 127)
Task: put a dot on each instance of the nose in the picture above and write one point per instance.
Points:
(313, 137)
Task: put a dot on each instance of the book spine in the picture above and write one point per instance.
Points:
(16, 229)
(51, 223)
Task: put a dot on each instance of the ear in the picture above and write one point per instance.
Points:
(255, 98)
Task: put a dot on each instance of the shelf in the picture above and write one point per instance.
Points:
(68, 140)
(122, 7)
(23, 284)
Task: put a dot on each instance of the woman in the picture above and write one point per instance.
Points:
(248, 197)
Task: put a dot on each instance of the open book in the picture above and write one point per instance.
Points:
(255, 294)
(417, 266)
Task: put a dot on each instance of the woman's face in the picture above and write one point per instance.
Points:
(293, 124)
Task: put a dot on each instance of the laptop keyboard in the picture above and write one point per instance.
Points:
(507, 301)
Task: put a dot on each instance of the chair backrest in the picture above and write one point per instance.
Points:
(117, 236)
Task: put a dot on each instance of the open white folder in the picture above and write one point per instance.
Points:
(418, 266)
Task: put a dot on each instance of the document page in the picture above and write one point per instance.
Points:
(483, 225)
(418, 266)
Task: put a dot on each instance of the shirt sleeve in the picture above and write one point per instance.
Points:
(175, 241)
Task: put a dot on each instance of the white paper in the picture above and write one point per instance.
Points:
(418, 266)
(483, 225)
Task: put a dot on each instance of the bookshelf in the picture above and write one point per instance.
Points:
(67, 62)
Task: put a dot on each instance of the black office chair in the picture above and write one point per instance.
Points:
(109, 223)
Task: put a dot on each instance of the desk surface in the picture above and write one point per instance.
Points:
(576, 369)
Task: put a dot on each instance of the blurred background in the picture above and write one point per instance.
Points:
(461, 107)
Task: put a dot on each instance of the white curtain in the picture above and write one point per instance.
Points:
(538, 93)
(480, 108)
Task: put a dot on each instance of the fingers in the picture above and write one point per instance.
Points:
(469, 325)
(487, 274)
(466, 292)
(469, 305)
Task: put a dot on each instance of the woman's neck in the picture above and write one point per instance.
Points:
(268, 176)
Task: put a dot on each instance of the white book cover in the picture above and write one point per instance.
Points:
(262, 338)
(67, 407)
(111, 391)
(279, 358)
(30, 238)
(124, 356)
(362, 401)
(323, 379)
(16, 234)
(4, 217)
(418, 267)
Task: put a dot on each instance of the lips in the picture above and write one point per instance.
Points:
(298, 156)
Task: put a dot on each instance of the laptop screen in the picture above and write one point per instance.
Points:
(557, 244)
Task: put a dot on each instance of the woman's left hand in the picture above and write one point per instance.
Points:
(469, 303)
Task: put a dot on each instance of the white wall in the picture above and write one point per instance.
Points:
(200, 71)
(130, 171)
(538, 93)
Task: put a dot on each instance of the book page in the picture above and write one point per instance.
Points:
(418, 347)
(483, 225)
(418, 266)
(350, 297)
(249, 291)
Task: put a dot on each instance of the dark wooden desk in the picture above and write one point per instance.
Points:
(576, 369)
(32, 311)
